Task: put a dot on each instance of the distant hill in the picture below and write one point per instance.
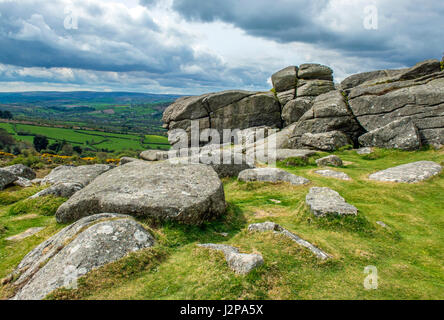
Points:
(82, 96)
(112, 111)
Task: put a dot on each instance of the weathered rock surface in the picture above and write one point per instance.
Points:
(285, 79)
(20, 170)
(399, 134)
(313, 88)
(271, 175)
(6, 178)
(271, 226)
(324, 201)
(187, 193)
(333, 174)
(241, 263)
(332, 160)
(386, 76)
(295, 109)
(223, 110)
(153, 155)
(327, 141)
(226, 162)
(82, 175)
(315, 71)
(76, 250)
(286, 96)
(26, 234)
(23, 182)
(329, 113)
(408, 173)
(126, 160)
(61, 189)
(421, 100)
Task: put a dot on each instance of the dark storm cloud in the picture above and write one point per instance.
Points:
(33, 34)
(408, 30)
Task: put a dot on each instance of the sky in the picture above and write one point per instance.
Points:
(199, 46)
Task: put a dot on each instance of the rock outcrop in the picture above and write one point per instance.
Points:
(76, 250)
(306, 101)
(382, 97)
(222, 110)
(190, 194)
(399, 134)
(328, 141)
(329, 113)
(408, 173)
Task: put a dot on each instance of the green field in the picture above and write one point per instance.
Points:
(96, 140)
(408, 254)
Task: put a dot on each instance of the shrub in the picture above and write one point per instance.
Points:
(29, 161)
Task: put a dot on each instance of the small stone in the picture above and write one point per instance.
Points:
(154, 155)
(271, 226)
(241, 263)
(324, 201)
(28, 233)
(23, 182)
(271, 175)
(333, 174)
(266, 226)
(382, 224)
(364, 151)
(332, 160)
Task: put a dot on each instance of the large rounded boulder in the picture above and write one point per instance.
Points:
(190, 194)
(81, 247)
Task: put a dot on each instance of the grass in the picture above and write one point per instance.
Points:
(408, 254)
(96, 139)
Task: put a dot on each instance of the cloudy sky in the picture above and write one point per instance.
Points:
(196, 46)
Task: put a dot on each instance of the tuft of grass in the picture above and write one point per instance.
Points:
(113, 274)
(46, 206)
(3, 229)
(15, 194)
(296, 162)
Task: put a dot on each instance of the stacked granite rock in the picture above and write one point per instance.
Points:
(401, 109)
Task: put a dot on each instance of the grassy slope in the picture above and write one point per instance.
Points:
(408, 254)
(110, 141)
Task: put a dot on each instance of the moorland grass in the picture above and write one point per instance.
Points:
(408, 253)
